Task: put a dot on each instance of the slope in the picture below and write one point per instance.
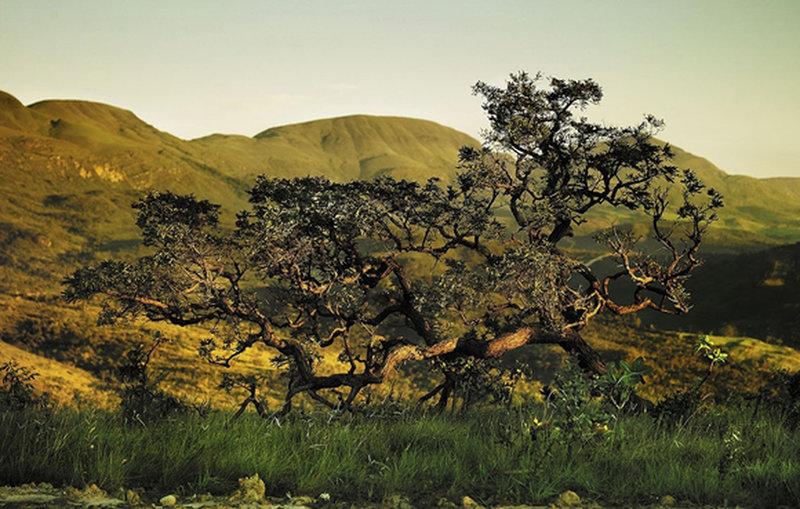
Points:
(753, 294)
(342, 149)
(70, 169)
(758, 213)
(767, 207)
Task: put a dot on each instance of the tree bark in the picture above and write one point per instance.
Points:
(453, 348)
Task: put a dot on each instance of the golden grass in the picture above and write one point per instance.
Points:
(65, 384)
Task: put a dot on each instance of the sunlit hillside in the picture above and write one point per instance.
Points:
(69, 171)
(342, 149)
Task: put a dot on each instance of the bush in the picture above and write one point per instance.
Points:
(142, 400)
(583, 406)
(16, 391)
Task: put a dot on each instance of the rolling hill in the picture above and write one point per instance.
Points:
(69, 171)
(342, 149)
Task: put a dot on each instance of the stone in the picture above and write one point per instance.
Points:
(27, 498)
(132, 497)
(395, 501)
(251, 489)
(568, 499)
(168, 501)
(469, 503)
(667, 500)
(301, 501)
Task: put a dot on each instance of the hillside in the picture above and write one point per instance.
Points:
(69, 171)
(342, 149)
(754, 294)
(758, 213)
(769, 207)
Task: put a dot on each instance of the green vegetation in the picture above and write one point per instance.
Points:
(725, 455)
(590, 435)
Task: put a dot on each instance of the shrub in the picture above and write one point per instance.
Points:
(142, 399)
(16, 391)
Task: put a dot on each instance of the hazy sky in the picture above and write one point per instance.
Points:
(724, 75)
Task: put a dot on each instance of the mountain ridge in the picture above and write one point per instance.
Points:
(81, 157)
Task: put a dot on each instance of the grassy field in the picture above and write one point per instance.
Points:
(733, 455)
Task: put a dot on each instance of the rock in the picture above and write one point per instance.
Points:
(168, 501)
(301, 501)
(132, 497)
(88, 493)
(251, 489)
(91, 497)
(667, 500)
(469, 503)
(27, 499)
(568, 499)
(396, 501)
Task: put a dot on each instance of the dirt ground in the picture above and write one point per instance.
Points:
(251, 495)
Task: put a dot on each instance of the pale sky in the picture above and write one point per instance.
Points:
(723, 74)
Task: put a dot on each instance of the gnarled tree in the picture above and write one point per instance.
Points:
(385, 271)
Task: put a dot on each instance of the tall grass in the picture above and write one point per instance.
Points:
(726, 456)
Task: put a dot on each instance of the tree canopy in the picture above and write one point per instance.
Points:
(388, 271)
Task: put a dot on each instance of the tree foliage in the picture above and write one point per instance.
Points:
(386, 271)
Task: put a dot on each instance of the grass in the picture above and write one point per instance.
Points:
(725, 456)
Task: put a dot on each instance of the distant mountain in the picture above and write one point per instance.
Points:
(69, 171)
(768, 207)
(345, 148)
(758, 213)
(91, 155)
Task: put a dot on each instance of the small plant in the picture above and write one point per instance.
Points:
(683, 405)
(585, 406)
(16, 391)
(712, 355)
(249, 384)
(476, 381)
(142, 400)
(619, 385)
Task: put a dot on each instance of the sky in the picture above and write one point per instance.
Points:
(723, 74)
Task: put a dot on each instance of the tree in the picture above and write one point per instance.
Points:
(385, 271)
